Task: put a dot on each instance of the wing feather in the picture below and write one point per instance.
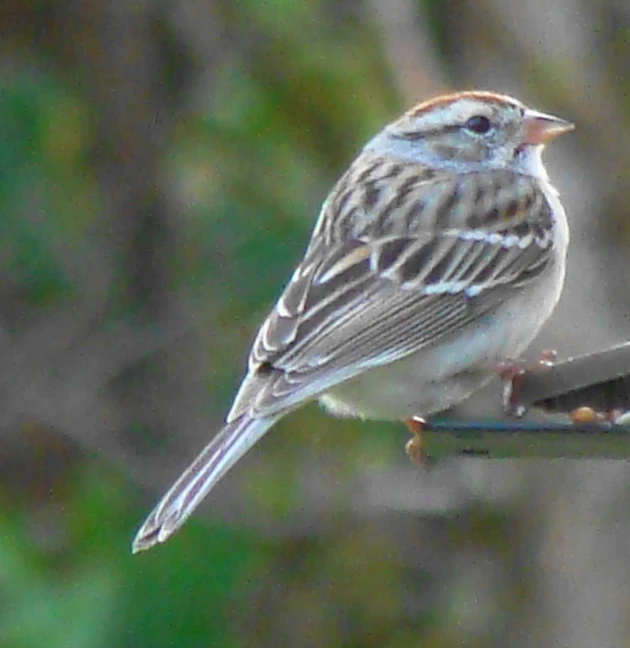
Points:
(364, 300)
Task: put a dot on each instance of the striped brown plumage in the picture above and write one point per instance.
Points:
(440, 251)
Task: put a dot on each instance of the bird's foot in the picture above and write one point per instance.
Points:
(512, 372)
(415, 447)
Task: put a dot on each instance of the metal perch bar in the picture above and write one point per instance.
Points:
(600, 381)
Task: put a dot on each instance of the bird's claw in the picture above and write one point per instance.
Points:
(512, 372)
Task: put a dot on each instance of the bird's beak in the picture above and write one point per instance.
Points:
(541, 128)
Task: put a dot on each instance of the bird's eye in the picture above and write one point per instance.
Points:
(478, 124)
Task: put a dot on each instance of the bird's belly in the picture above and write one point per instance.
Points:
(386, 395)
(429, 381)
(446, 373)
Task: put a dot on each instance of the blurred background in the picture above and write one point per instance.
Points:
(161, 165)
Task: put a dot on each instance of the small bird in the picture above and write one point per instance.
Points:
(438, 254)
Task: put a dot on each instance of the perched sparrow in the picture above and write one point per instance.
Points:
(438, 254)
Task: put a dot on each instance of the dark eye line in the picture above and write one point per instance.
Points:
(423, 134)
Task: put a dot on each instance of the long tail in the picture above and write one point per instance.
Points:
(234, 440)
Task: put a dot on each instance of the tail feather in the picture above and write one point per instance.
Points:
(234, 440)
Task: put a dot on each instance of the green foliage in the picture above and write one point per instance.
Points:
(247, 172)
(243, 166)
(43, 193)
(86, 590)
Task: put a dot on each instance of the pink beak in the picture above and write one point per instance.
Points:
(541, 128)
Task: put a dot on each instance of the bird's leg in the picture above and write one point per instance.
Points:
(511, 373)
(414, 447)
